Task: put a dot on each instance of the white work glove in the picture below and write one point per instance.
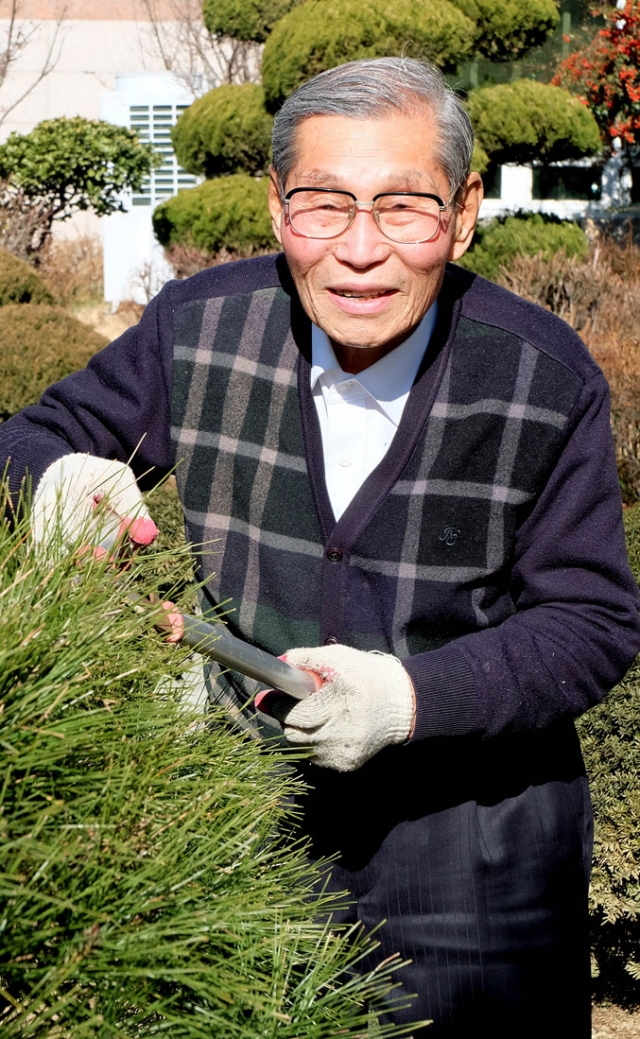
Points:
(92, 500)
(366, 703)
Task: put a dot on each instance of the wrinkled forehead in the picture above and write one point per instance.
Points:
(398, 151)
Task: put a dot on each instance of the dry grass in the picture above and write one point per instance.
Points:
(600, 298)
(189, 259)
(72, 270)
(611, 1022)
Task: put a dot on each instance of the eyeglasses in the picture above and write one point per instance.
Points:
(408, 217)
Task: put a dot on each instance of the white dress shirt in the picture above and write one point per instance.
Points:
(359, 414)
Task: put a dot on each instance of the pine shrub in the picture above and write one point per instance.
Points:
(227, 130)
(525, 121)
(509, 28)
(150, 882)
(320, 34)
(250, 20)
(225, 213)
(609, 737)
(496, 243)
(40, 345)
(19, 283)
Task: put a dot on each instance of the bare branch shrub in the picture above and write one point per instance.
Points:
(600, 299)
(25, 223)
(72, 269)
(188, 259)
(198, 59)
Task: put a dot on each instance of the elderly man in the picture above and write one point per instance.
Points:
(410, 471)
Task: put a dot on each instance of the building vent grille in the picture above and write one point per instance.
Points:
(153, 123)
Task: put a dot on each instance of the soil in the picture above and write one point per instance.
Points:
(611, 1022)
(110, 325)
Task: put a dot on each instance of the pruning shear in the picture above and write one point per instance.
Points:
(217, 642)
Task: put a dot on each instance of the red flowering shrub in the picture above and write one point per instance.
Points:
(606, 73)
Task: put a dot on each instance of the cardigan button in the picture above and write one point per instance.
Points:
(331, 641)
(334, 554)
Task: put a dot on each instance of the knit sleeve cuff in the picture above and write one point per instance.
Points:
(446, 694)
(29, 456)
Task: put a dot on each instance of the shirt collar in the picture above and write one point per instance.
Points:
(390, 379)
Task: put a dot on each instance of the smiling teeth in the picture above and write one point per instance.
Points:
(363, 295)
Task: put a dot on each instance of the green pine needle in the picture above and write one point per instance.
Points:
(151, 881)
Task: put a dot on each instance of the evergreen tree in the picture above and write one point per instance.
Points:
(66, 165)
(249, 20)
(526, 121)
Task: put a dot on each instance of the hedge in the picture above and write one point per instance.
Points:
(225, 213)
(496, 243)
(525, 121)
(611, 748)
(40, 345)
(323, 33)
(227, 130)
(19, 283)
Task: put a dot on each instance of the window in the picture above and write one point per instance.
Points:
(567, 182)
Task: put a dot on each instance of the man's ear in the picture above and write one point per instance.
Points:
(469, 198)
(275, 204)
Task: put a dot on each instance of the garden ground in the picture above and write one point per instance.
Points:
(611, 1022)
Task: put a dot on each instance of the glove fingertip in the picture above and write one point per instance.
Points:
(142, 532)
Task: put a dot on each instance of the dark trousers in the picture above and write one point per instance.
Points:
(477, 857)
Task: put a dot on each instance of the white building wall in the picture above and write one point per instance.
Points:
(91, 54)
(134, 264)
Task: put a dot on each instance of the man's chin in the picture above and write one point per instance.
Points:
(366, 338)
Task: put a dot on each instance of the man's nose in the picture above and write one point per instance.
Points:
(363, 243)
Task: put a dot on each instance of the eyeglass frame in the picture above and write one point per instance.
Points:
(442, 207)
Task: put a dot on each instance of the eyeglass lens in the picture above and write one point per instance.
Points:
(326, 214)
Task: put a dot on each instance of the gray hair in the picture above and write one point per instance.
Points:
(372, 88)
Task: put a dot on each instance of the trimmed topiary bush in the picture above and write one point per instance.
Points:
(19, 283)
(40, 345)
(244, 19)
(226, 131)
(226, 213)
(525, 121)
(527, 234)
(323, 33)
(480, 161)
(611, 748)
(509, 28)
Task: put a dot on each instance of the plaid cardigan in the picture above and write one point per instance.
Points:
(486, 550)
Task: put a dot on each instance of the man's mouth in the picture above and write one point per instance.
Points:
(375, 294)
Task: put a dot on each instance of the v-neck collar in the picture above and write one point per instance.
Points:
(388, 380)
(378, 484)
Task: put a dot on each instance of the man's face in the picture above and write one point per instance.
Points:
(365, 291)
